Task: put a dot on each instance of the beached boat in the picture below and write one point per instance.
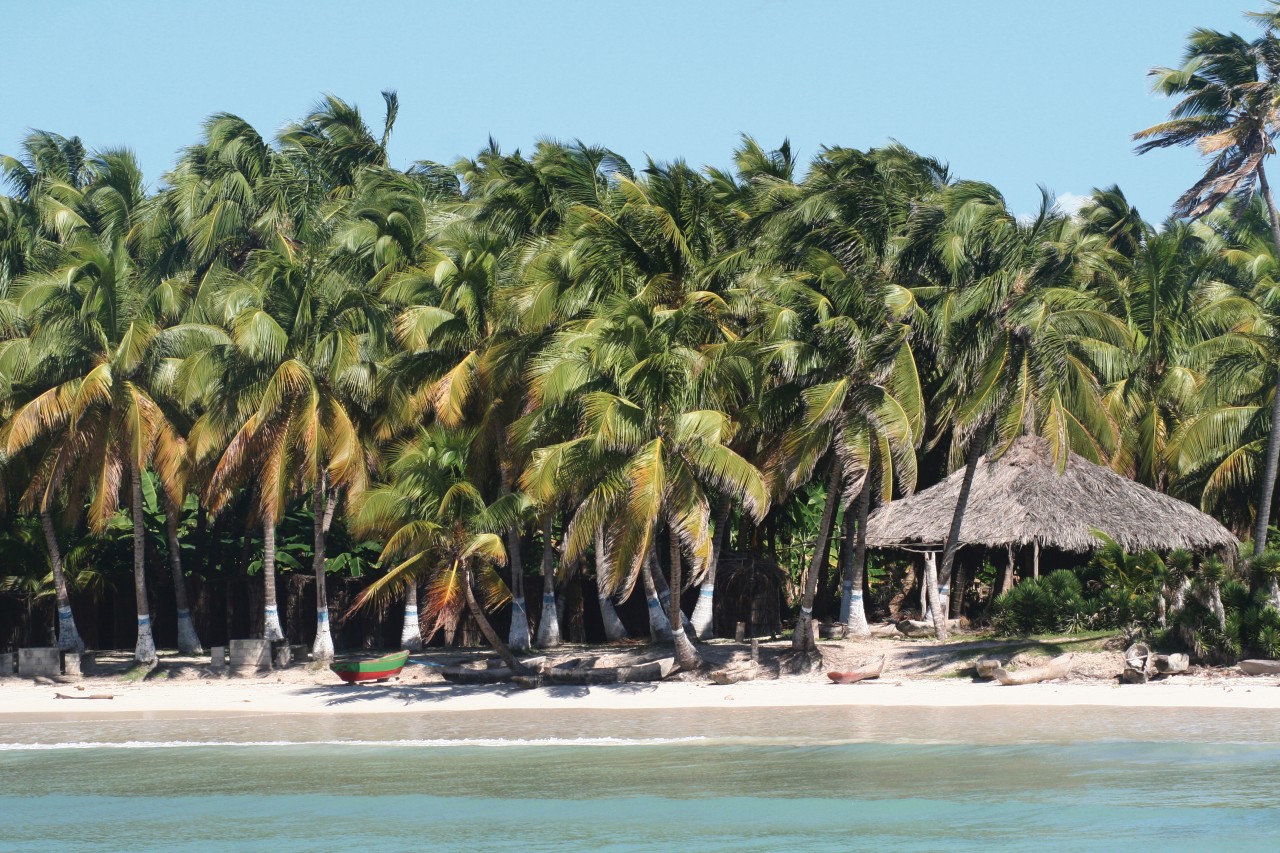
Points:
(378, 669)
(855, 677)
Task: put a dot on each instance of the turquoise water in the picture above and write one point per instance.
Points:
(747, 780)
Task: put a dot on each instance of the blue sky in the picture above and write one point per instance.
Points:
(1016, 92)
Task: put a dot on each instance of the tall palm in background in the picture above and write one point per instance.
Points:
(1227, 87)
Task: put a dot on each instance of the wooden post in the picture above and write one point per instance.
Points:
(1035, 558)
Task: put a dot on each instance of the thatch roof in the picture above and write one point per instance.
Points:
(1021, 498)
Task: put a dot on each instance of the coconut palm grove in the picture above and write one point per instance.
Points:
(287, 390)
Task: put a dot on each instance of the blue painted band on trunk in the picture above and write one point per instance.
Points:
(322, 615)
(548, 597)
(856, 595)
(653, 604)
(144, 621)
(64, 612)
(270, 608)
(806, 611)
(184, 614)
(707, 592)
(410, 610)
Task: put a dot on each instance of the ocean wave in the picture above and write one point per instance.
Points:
(416, 742)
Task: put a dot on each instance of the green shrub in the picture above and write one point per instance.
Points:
(1051, 604)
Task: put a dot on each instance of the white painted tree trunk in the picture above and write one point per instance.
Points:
(659, 624)
(549, 621)
(687, 657)
(410, 632)
(613, 627)
(145, 649)
(68, 635)
(1273, 593)
(188, 640)
(664, 595)
(271, 631)
(518, 635)
(853, 610)
(938, 611)
(322, 649)
(703, 617)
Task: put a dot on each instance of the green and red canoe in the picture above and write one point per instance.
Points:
(378, 669)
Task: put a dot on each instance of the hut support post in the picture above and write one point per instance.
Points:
(1007, 583)
(1035, 559)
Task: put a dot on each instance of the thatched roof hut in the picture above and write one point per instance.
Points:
(1021, 499)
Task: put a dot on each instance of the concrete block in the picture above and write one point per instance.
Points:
(284, 656)
(8, 664)
(39, 662)
(250, 654)
(218, 657)
(71, 664)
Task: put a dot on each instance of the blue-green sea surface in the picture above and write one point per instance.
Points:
(809, 779)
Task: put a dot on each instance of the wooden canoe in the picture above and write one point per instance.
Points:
(855, 677)
(378, 669)
(1260, 667)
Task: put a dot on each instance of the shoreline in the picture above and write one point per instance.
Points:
(25, 701)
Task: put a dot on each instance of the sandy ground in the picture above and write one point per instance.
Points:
(917, 674)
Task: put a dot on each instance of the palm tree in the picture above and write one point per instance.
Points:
(1014, 333)
(93, 347)
(1228, 110)
(645, 454)
(438, 530)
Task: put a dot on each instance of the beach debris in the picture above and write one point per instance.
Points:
(1059, 667)
(917, 628)
(1171, 664)
(90, 696)
(1260, 667)
(987, 667)
(735, 672)
(578, 672)
(1137, 664)
(858, 675)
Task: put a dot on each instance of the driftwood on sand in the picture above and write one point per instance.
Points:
(88, 696)
(1260, 667)
(916, 628)
(987, 667)
(858, 675)
(732, 674)
(572, 673)
(1059, 667)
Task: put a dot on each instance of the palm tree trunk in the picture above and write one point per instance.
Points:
(323, 510)
(687, 657)
(1266, 488)
(613, 627)
(853, 612)
(518, 635)
(934, 603)
(145, 649)
(802, 638)
(664, 596)
(549, 623)
(703, 618)
(411, 632)
(188, 640)
(271, 630)
(68, 635)
(659, 623)
(477, 613)
(957, 519)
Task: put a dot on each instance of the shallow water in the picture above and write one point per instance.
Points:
(748, 779)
